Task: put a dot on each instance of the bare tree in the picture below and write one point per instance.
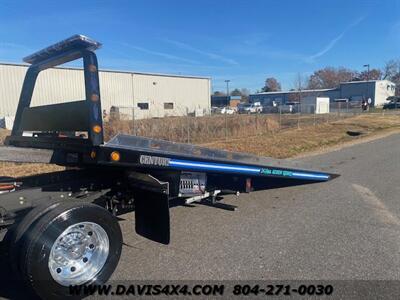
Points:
(271, 85)
(390, 69)
(218, 93)
(345, 75)
(236, 92)
(373, 74)
(330, 77)
(245, 94)
(299, 84)
(396, 80)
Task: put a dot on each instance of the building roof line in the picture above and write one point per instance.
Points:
(321, 90)
(364, 81)
(113, 71)
(296, 91)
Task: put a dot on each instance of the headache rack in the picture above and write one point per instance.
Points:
(55, 126)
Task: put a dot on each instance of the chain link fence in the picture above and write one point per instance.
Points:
(203, 126)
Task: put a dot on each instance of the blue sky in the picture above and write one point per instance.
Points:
(244, 41)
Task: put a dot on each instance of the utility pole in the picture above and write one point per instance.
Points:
(227, 87)
(367, 66)
(227, 104)
(298, 106)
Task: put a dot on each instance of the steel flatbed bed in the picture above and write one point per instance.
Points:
(159, 154)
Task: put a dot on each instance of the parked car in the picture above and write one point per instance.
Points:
(270, 109)
(228, 110)
(392, 105)
(241, 108)
(250, 108)
(289, 107)
(215, 110)
(393, 99)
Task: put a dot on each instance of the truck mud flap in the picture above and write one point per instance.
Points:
(151, 206)
(152, 216)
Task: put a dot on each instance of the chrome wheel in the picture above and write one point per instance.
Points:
(78, 254)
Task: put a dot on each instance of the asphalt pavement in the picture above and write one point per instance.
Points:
(348, 228)
(345, 229)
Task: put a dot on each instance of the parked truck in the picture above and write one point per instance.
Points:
(61, 229)
(250, 108)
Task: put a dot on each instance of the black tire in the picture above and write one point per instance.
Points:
(18, 234)
(39, 239)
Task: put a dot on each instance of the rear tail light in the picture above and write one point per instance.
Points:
(6, 187)
(249, 186)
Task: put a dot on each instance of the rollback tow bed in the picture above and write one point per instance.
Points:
(61, 227)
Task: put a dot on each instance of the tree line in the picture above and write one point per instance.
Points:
(244, 93)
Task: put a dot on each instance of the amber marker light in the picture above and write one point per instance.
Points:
(94, 97)
(92, 68)
(93, 154)
(97, 128)
(115, 156)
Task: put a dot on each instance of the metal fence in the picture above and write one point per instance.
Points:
(211, 126)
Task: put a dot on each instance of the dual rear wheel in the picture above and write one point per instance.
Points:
(65, 244)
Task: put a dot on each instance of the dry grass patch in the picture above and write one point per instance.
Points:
(23, 169)
(195, 129)
(26, 169)
(292, 142)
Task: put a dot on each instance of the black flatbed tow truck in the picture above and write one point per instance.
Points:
(61, 228)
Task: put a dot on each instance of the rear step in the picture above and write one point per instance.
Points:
(211, 199)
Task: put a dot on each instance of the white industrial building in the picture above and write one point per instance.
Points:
(144, 95)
